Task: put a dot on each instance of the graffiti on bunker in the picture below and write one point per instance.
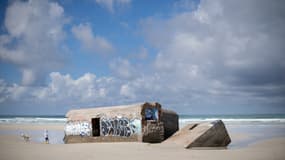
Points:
(82, 128)
(119, 126)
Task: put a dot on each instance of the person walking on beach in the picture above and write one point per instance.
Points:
(46, 137)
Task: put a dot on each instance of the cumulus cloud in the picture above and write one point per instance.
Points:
(126, 91)
(225, 56)
(62, 89)
(111, 5)
(65, 90)
(91, 42)
(223, 48)
(33, 38)
(123, 69)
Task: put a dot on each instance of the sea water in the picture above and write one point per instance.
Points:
(252, 119)
(255, 126)
(33, 119)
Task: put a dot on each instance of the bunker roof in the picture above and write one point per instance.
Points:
(130, 111)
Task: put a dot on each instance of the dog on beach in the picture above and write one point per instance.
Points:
(26, 137)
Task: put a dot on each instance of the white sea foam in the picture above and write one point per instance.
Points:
(33, 120)
(233, 120)
(236, 121)
(182, 121)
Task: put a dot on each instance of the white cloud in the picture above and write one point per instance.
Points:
(14, 92)
(97, 44)
(127, 91)
(111, 5)
(63, 87)
(86, 90)
(55, 10)
(33, 38)
(123, 68)
(226, 56)
(234, 43)
(63, 90)
(28, 76)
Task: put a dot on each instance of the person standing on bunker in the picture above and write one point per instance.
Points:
(46, 137)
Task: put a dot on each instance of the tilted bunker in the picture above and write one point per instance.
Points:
(144, 122)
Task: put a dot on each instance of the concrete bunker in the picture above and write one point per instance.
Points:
(143, 122)
(207, 134)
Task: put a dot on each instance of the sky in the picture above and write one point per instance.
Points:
(191, 56)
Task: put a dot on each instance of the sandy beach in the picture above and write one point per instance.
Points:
(142, 80)
(13, 147)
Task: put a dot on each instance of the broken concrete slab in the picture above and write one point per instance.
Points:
(208, 134)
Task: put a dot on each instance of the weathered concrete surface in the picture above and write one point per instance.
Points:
(143, 122)
(209, 134)
(130, 111)
(89, 139)
(170, 122)
(153, 132)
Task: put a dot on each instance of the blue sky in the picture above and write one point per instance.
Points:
(195, 57)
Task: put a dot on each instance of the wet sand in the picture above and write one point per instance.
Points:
(12, 146)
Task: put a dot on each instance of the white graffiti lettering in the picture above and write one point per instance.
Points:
(119, 127)
(81, 128)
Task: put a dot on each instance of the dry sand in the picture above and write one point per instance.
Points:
(13, 147)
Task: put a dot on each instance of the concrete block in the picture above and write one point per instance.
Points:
(209, 134)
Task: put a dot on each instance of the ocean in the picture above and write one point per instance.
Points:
(32, 119)
(251, 119)
(254, 126)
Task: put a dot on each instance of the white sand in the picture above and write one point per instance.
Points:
(13, 147)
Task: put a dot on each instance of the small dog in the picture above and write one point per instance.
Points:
(26, 137)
